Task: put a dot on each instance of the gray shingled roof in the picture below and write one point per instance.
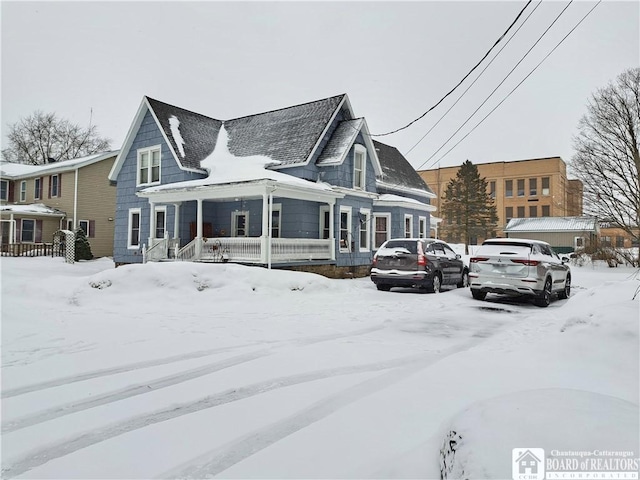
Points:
(552, 224)
(287, 135)
(396, 170)
(340, 142)
(198, 132)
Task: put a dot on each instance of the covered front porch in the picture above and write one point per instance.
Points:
(271, 244)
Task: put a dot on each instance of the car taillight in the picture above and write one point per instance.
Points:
(375, 261)
(529, 263)
(478, 259)
(422, 260)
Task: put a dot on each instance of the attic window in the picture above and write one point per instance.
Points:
(149, 165)
(359, 166)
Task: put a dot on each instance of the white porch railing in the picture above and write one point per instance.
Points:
(157, 250)
(249, 250)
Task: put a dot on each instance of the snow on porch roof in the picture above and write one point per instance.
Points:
(33, 209)
(552, 224)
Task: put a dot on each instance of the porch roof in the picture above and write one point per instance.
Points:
(390, 200)
(34, 209)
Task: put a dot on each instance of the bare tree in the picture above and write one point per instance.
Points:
(43, 136)
(607, 157)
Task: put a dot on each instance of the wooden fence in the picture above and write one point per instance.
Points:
(30, 250)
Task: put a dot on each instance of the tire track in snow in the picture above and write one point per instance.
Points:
(232, 453)
(56, 382)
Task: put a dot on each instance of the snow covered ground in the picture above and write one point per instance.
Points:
(181, 370)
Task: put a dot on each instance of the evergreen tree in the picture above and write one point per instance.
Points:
(83, 247)
(467, 207)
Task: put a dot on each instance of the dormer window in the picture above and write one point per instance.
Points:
(359, 167)
(149, 166)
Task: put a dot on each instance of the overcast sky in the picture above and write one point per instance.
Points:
(394, 60)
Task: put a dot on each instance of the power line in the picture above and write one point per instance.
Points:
(474, 82)
(500, 84)
(460, 82)
(521, 82)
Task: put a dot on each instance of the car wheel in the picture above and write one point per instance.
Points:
(478, 294)
(464, 281)
(544, 299)
(436, 283)
(383, 287)
(566, 291)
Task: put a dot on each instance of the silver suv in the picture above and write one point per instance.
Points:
(515, 266)
(417, 262)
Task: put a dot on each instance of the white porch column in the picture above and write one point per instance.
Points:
(152, 222)
(265, 228)
(332, 205)
(269, 229)
(199, 229)
(12, 233)
(176, 220)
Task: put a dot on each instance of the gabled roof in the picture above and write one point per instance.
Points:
(289, 136)
(340, 142)
(397, 172)
(552, 224)
(19, 170)
(196, 134)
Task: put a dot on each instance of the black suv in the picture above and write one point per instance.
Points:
(417, 262)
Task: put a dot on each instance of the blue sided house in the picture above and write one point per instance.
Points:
(303, 187)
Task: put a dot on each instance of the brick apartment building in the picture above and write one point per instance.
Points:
(521, 189)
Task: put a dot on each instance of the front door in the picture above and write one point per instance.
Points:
(207, 230)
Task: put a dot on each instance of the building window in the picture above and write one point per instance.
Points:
(382, 232)
(70, 224)
(408, 226)
(149, 166)
(54, 186)
(578, 242)
(521, 187)
(359, 166)
(365, 229)
(520, 212)
(492, 189)
(545, 211)
(533, 211)
(28, 231)
(345, 229)
(276, 214)
(533, 187)
(37, 190)
(134, 228)
(508, 188)
(619, 241)
(422, 227)
(23, 191)
(325, 230)
(606, 241)
(545, 185)
(84, 226)
(508, 213)
(240, 224)
(161, 221)
(4, 190)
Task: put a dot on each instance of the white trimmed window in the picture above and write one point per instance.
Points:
(54, 186)
(324, 228)
(276, 215)
(422, 227)
(86, 226)
(161, 221)
(240, 224)
(28, 231)
(408, 226)
(133, 240)
(345, 229)
(359, 167)
(382, 233)
(149, 166)
(365, 229)
(23, 191)
(4, 190)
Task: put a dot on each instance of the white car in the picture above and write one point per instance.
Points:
(517, 266)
